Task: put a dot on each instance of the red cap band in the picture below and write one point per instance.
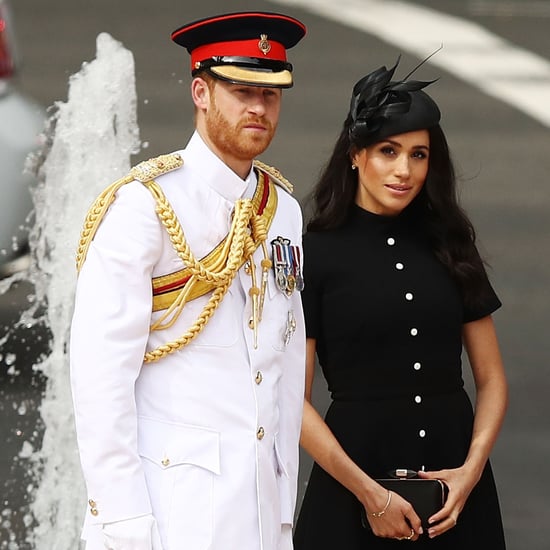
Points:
(258, 47)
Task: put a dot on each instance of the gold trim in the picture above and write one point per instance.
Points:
(213, 260)
(275, 175)
(153, 168)
(247, 233)
(150, 169)
(282, 79)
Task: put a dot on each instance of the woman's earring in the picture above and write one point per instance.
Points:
(353, 167)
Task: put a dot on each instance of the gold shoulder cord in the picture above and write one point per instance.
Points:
(248, 231)
(144, 171)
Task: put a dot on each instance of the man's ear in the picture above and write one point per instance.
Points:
(200, 93)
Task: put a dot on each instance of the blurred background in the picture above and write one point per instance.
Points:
(501, 152)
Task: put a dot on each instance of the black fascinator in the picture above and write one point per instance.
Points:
(381, 107)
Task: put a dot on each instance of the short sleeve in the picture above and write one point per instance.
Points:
(486, 305)
(311, 294)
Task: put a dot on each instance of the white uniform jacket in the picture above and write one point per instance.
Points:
(206, 439)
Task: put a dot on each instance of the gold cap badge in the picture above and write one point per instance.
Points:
(263, 44)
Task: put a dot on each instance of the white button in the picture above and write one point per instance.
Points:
(409, 296)
(417, 366)
(399, 266)
(391, 241)
(422, 433)
(414, 331)
(418, 399)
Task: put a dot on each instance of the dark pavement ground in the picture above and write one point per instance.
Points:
(501, 156)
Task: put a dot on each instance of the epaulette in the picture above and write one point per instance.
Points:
(150, 169)
(278, 178)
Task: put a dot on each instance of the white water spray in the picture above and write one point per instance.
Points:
(92, 138)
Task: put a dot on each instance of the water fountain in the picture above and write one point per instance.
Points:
(89, 142)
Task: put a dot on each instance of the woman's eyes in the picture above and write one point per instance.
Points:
(420, 155)
(390, 151)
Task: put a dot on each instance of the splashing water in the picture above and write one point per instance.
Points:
(89, 143)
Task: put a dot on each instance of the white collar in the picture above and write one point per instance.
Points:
(209, 168)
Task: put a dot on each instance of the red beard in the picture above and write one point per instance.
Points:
(237, 141)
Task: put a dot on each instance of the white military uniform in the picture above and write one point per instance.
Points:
(206, 439)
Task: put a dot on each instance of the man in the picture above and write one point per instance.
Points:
(187, 344)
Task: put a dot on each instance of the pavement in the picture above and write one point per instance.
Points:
(501, 155)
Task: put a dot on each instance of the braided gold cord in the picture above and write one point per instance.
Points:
(248, 230)
(246, 227)
(230, 256)
(194, 330)
(94, 217)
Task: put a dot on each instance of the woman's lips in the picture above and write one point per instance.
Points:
(398, 187)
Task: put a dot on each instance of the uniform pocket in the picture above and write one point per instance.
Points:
(180, 462)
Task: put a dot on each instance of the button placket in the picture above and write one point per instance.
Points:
(408, 296)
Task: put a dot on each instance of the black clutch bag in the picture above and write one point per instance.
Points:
(427, 496)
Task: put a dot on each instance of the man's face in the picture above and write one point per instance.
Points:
(241, 120)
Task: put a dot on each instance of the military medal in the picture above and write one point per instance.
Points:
(280, 262)
(289, 270)
(287, 266)
(297, 267)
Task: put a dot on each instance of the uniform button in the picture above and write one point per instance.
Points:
(414, 331)
(258, 378)
(165, 462)
(418, 399)
(247, 268)
(417, 366)
(93, 507)
(390, 241)
(422, 433)
(399, 266)
(260, 433)
(409, 296)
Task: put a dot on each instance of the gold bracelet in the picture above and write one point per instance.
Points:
(383, 511)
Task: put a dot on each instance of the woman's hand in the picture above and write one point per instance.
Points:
(391, 516)
(460, 483)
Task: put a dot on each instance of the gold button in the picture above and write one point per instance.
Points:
(165, 462)
(260, 433)
(258, 378)
(93, 507)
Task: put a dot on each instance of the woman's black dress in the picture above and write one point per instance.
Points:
(388, 319)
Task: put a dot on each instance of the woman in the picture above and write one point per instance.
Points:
(395, 288)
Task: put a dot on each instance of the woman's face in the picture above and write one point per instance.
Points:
(392, 172)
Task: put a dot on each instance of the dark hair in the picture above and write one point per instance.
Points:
(436, 208)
